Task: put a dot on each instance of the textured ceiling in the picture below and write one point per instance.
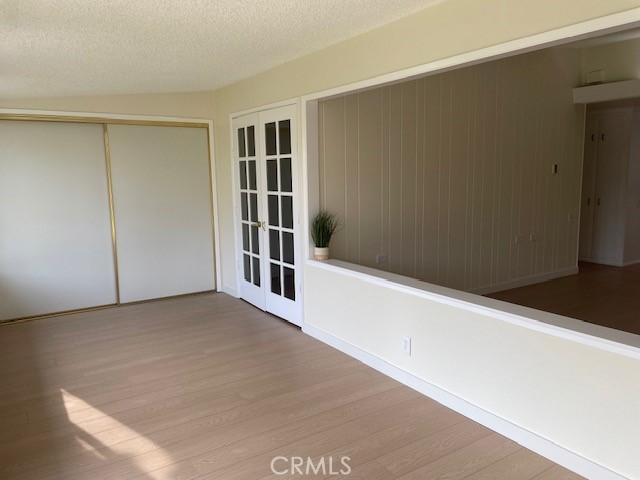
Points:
(88, 47)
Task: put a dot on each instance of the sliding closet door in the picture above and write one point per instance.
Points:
(162, 200)
(55, 230)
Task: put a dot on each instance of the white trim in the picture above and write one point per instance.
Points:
(235, 206)
(524, 437)
(216, 210)
(268, 106)
(605, 92)
(110, 116)
(608, 339)
(524, 281)
(157, 118)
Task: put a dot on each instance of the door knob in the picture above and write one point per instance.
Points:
(260, 224)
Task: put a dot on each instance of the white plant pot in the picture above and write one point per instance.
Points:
(321, 253)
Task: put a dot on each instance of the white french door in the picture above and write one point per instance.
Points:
(265, 159)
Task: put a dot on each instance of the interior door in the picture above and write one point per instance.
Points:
(265, 157)
(591, 141)
(246, 156)
(613, 153)
(281, 260)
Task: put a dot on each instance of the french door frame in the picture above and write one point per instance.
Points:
(273, 303)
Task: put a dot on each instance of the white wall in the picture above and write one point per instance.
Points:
(584, 399)
(449, 178)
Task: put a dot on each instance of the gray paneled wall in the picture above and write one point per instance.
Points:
(449, 178)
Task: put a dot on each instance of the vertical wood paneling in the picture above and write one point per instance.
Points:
(384, 174)
(332, 177)
(432, 157)
(395, 180)
(459, 176)
(489, 131)
(369, 179)
(351, 184)
(449, 178)
(419, 179)
(444, 180)
(409, 173)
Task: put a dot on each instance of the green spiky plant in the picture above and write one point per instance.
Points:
(323, 226)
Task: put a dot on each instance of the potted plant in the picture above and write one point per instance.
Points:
(323, 226)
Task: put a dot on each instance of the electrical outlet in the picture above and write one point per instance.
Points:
(533, 237)
(406, 345)
(381, 258)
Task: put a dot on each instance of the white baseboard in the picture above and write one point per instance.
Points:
(230, 290)
(630, 262)
(527, 439)
(524, 281)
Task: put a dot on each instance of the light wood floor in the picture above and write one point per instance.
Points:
(209, 387)
(607, 296)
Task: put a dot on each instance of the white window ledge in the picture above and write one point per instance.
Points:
(586, 333)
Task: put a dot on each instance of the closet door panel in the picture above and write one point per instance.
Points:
(162, 204)
(55, 230)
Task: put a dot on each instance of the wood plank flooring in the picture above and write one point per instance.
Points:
(599, 294)
(208, 387)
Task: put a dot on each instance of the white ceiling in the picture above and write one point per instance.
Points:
(89, 47)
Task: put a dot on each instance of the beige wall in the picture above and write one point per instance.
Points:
(537, 368)
(446, 29)
(449, 178)
(193, 104)
(619, 61)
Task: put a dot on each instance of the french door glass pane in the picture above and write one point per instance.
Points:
(284, 128)
(251, 141)
(275, 279)
(287, 211)
(243, 175)
(252, 175)
(274, 244)
(256, 271)
(241, 147)
(247, 268)
(245, 237)
(285, 175)
(244, 206)
(272, 175)
(289, 283)
(272, 201)
(287, 247)
(253, 197)
(255, 245)
(270, 138)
